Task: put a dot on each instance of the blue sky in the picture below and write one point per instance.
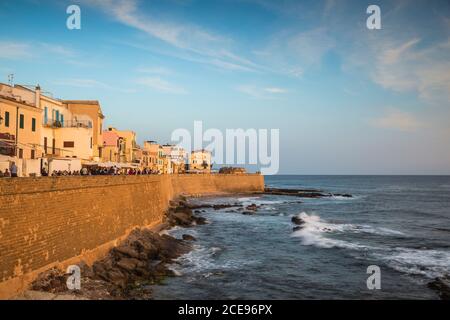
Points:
(347, 100)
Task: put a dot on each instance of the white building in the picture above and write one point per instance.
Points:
(200, 161)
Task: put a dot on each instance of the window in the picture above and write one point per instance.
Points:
(32, 154)
(91, 142)
(45, 115)
(69, 144)
(45, 145)
(53, 146)
(57, 115)
(33, 124)
(22, 121)
(62, 120)
(20, 153)
(6, 119)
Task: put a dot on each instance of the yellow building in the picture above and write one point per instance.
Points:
(20, 129)
(62, 133)
(87, 110)
(128, 151)
(153, 157)
(200, 161)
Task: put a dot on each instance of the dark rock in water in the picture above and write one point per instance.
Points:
(302, 193)
(297, 220)
(188, 237)
(252, 207)
(248, 213)
(200, 220)
(442, 286)
(344, 195)
(296, 228)
(224, 206)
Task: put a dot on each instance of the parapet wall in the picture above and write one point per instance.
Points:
(54, 221)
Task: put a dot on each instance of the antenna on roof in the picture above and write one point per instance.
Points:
(11, 79)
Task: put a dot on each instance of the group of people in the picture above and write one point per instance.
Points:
(11, 173)
(97, 171)
(85, 171)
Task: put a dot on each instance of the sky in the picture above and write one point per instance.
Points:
(346, 99)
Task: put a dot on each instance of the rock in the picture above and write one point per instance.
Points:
(296, 228)
(129, 264)
(200, 220)
(126, 251)
(248, 213)
(252, 207)
(344, 195)
(297, 220)
(224, 206)
(181, 218)
(188, 237)
(442, 286)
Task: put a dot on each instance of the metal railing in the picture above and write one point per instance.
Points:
(67, 123)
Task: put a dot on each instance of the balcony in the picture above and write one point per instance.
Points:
(7, 144)
(50, 123)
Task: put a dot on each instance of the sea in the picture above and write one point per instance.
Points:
(399, 224)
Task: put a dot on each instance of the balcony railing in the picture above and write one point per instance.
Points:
(7, 144)
(67, 123)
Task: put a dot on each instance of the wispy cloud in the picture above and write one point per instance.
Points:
(275, 90)
(163, 71)
(161, 85)
(14, 50)
(398, 120)
(90, 84)
(196, 43)
(261, 92)
(407, 67)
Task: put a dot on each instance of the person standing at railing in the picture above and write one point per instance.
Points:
(13, 170)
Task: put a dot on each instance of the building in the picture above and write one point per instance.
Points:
(177, 157)
(20, 129)
(200, 161)
(62, 133)
(87, 110)
(129, 148)
(153, 156)
(113, 147)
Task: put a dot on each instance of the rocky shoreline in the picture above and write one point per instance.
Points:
(129, 270)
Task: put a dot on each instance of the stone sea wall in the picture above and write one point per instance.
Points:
(57, 221)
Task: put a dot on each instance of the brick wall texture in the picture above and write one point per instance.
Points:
(48, 220)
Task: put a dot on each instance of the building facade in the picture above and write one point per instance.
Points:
(200, 161)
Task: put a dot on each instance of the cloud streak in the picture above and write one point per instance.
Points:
(161, 85)
(398, 120)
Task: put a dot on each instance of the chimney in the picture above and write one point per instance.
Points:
(37, 96)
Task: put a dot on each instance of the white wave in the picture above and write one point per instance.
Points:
(202, 259)
(425, 262)
(342, 198)
(314, 228)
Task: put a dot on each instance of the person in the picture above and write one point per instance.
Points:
(44, 172)
(13, 170)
